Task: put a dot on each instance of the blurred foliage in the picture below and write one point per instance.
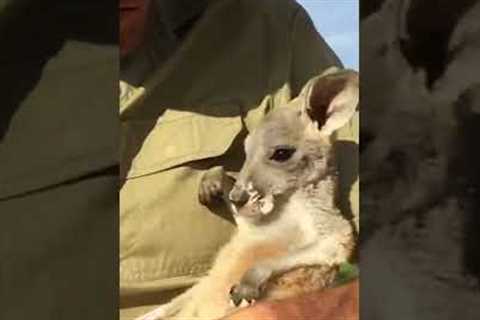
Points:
(347, 272)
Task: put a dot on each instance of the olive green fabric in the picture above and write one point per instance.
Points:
(57, 252)
(58, 115)
(241, 59)
(58, 158)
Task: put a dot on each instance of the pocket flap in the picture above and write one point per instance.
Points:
(176, 138)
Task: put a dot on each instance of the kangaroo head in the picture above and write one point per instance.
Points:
(291, 147)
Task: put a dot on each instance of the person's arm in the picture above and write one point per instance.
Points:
(329, 304)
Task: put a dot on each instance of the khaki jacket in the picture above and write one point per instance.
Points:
(242, 59)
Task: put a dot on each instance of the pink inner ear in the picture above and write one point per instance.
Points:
(322, 94)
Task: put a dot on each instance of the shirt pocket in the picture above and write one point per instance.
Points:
(177, 137)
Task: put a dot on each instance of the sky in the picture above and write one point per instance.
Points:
(337, 21)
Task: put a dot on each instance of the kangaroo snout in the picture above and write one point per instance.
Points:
(238, 195)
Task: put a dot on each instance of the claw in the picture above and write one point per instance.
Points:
(244, 303)
(236, 301)
(234, 298)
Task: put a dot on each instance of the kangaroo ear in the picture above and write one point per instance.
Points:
(331, 99)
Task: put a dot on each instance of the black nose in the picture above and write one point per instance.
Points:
(238, 196)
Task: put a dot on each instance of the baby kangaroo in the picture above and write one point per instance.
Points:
(291, 237)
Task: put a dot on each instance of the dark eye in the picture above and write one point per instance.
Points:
(282, 154)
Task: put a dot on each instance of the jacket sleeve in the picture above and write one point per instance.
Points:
(310, 53)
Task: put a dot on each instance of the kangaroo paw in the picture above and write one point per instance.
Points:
(213, 185)
(251, 286)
